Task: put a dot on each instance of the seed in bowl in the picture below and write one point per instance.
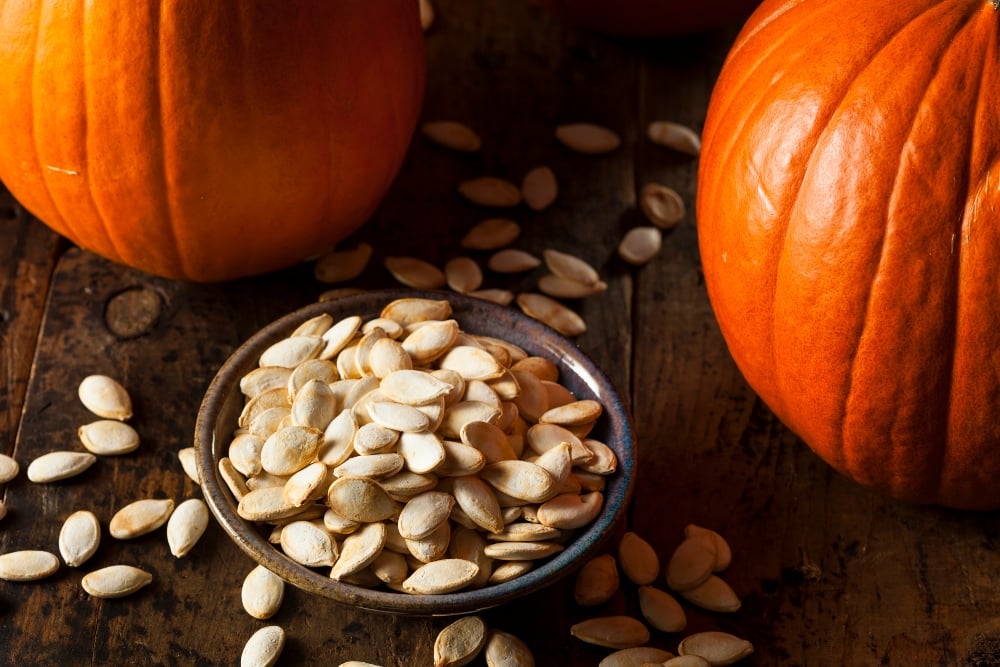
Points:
(418, 456)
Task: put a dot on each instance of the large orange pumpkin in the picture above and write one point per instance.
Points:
(849, 228)
(651, 18)
(206, 139)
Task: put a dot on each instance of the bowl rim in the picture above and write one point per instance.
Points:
(544, 341)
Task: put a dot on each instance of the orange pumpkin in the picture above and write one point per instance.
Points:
(651, 18)
(206, 140)
(848, 209)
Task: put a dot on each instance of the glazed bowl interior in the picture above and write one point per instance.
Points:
(223, 402)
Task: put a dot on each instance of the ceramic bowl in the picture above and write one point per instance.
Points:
(223, 401)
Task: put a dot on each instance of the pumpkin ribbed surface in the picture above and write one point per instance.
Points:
(206, 139)
(849, 229)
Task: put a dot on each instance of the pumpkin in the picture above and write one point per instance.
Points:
(651, 18)
(206, 140)
(849, 230)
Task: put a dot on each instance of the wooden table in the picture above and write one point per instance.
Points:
(829, 574)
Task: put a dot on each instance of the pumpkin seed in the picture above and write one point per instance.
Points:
(568, 511)
(27, 565)
(392, 328)
(638, 559)
(423, 451)
(314, 326)
(490, 191)
(140, 517)
(307, 543)
(430, 548)
(262, 593)
(463, 274)
(459, 642)
(289, 449)
(451, 134)
(663, 206)
(458, 415)
(115, 581)
(603, 460)
(265, 504)
(491, 234)
(79, 537)
(244, 453)
(640, 245)
(359, 550)
(570, 267)
(510, 570)
(56, 466)
(338, 336)
(292, 351)
(8, 468)
(186, 525)
(408, 310)
(505, 650)
(597, 581)
(520, 479)
(413, 387)
(522, 550)
(477, 500)
(499, 296)
(430, 341)
(713, 594)
(361, 500)
(414, 272)
(539, 188)
(689, 660)
(340, 266)
(105, 397)
(512, 260)
(264, 647)
(636, 657)
(718, 648)
(390, 567)
(422, 514)
(426, 21)
(262, 379)
(588, 138)
(468, 544)
(108, 437)
(691, 563)
(563, 288)
(723, 554)
(542, 368)
(674, 135)
(471, 363)
(234, 480)
(445, 575)
(524, 531)
(551, 312)
(661, 610)
(611, 631)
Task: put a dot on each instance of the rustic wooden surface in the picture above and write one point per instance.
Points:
(829, 573)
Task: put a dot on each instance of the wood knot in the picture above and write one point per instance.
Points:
(133, 312)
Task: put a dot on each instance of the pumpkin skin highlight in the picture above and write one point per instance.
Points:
(206, 140)
(848, 208)
(651, 18)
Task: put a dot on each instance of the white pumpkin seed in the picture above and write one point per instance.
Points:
(56, 466)
(314, 405)
(510, 570)
(491, 234)
(691, 563)
(505, 650)
(289, 449)
(422, 514)
(27, 565)
(186, 525)
(105, 397)
(292, 351)
(8, 468)
(636, 656)
(115, 581)
(689, 660)
(640, 245)
(264, 647)
(662, 205)
(361, 500)
(588, 138)
(490, 191)
(408, 310)
(583, 411)
(522, 550)
(723, 554)
(459, 642)
(524, 531)
(512, 260)
(570, 267)
(520, 479)
(359, 550)
(262, 593)
(564, 288)
(551, 312)
(266, 504)
(611, 631)
(338, 336)
(451, 134)
(340, 266)
(463, 274)
(568, 511)
(638, 559)
(309, 544)
(372, 466)
(471, 363)
(429, 342)
(539, 188)
(713, 594)
(314, 326)
(235, 482)
(499, 296)
(264, 378)
(430, 548)
(718, 648)
(390, 567)
(597, 581)
(108, 437)
(140, 517)
(661, 609)
(674, 135)
(445, 575)
(414, 272)
(79, 537)
(244, 453)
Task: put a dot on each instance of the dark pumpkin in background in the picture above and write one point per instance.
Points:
(206, 140)
(651, 18)
(849, 227)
